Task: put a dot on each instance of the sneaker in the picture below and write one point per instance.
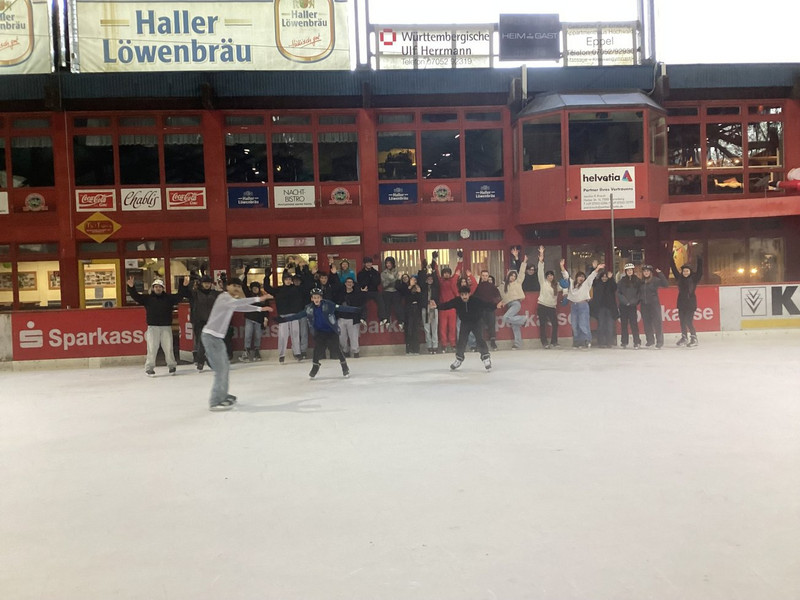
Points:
(648, 344)
(172, 370)
(257, 356)
(355, 355)
(231, 398)
(487, 363)
(623, 346)
(547, 346)
(314, 371)
(282, 359)
(150, 373)
(659, 346)
(692, 342)
(346, 354)
(345, 370)
(303, 356)
(682, 342)
(298, 357)
(554, 346)
(226, 404)
(515, 347)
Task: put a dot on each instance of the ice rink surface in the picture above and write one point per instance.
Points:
(566, 474)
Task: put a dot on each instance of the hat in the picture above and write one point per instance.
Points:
(235, 281)
(158, 282)
(367, 259)
(206, 279)
(316, 292)
(647, 268)
(629, 266)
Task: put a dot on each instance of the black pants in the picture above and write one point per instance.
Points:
(686, 316)
(378, 300)
(547, 314)
(327, 340)
(606, 327)
(413, 319)
(473, 327)
(392, 301)
(627, 316)
(199, 349)
(489, 321)
(651, 317)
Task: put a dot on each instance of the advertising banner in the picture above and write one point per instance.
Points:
(295, 196)
(25, 37)
(140, 199)
(401, 47)
(485, 191)
(529, 37)
(606, 44)
(186, 198)
(78, 333)
(341, 195)
(599, 183)
(397, 193)
(269, 35)
(248, 197)
(760, 306)
(95, 200)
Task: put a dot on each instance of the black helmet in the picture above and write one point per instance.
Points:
(316, 292)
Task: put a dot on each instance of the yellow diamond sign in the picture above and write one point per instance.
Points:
(99, 227)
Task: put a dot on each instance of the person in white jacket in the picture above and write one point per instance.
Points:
(546, 306)
(512, 295)
(579, 294)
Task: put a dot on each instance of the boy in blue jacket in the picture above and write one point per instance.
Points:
(321, 315)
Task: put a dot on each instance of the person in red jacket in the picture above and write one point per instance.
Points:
(448, 289)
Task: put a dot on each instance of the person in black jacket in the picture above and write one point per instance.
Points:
(289, 301)
(411, 294)
(628, 294)
(651, 305)
(201, 300)
(429, 288)
(687, 279)
(470, 310)
(368, 280)
(253, 321)
(605, 302)
(158, 306)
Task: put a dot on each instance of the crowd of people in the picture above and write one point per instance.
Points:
(450, 309)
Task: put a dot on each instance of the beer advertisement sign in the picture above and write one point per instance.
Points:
(25, 37)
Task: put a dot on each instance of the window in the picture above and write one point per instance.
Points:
(722, 110)
(44, 248)
(724, 141)
(397, 155)
(765, 143)
(767, 259)
(39, 284)
(489, 260)
(138, 160)
(80, 122)
(338, 156)
(31, 123)
(483, 150)
(32, 161)
(439, 117)
(184, 121)
(658, 141)
(280, 120)
(684, 185)
(725, 184)
(483, 116)
(188, 244)
(727, 262)
(337, 120)
(144, 273)
(541, 143)
(183, 158)
(683, 142)
(143, 246)
(342, 240)
(407, 261)
(292, 157)
(255, 264)
(93, 160)
(246, 157)
(137, 122)
(250, 243)
(581, 256)
(3, 175)
(399, 238)
(441, 154)
(395, 118)
(242, 120)
(606, 138)
(682, 111)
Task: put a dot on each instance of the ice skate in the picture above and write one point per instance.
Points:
(683, 341)
(692, 342)
(487, 363)
(345, 370)
(456, 363)
(314, 371)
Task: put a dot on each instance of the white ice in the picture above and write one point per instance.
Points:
(566, 474)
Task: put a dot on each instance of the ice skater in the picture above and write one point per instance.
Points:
(578, 295)
(512, 297)
(228, 302)
(470, 310)
(687, 279)
(158, 307)
(651, 306)
(321, 315)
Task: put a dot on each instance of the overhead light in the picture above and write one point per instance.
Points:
(753, 271)
(740, 270)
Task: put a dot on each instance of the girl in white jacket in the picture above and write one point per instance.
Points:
(546, 307)
(579, 295)
(513, 294)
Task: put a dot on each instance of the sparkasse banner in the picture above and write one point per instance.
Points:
(128, 36)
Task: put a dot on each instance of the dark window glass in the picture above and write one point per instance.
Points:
(338, 156)
(535, 234)
(682, 111)
(541, 143)
(5, 250)
(184, 121)
(605, 138)
(397, 155)
(188, 244)
(725, 184)
(658, 141)
(143, 245)
(32, 161)
(88, 248)
(292, 157)
(244, 120)
(246, 157)
(684, 146)
(680, 184)
(764, 110)
(137, 122)
(31, 124)
(45, 248)
(483, 116)
(337, 120)
(93, 159)
(396, 118)
(689, 227)
(442, 236)
(765, 182)
(585, 232)
(765, 143)
(483, 152)
(82, 122)
(399, 238)
(291, 120)
(138, 160)
(183, 158)
(724, 141)
(441, 154)
(3, 175)
(439, 117)
(722, 110)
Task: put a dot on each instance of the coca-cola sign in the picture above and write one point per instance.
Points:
(94, 200)
(186, 198)
(140, 199)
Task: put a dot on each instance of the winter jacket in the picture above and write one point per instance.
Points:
(258, 317)
(328, 309)
(629, 290)
(200, 301)
(354, 299)
(605, 295)
(687, 300)
(649, 291)
(157, 307)
(448, 288)
(288, 298)
(515, 291)
(531, 283)
(469, 311)
(331, 289)
(369, 278)
(343, 275)
(582, 293)
(389, 279)
(547, 295)
(488, 293)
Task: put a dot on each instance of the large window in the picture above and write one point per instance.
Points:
(541, 143)
(93, 160)
(606, 138)
(32, 161)
(397, 155)
(483, 151)
(246, 157)
(183, 158)
(138, 160)
(338, 156)
(292, 157)
(441, 154)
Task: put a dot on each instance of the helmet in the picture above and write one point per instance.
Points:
(158, 282)
(316, 292)
(647, 268)
(629, 266)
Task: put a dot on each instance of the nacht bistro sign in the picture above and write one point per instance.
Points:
(529, 37)
(126, 36)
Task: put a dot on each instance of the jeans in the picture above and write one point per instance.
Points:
(430, 325)
(348, 335)
(579, 317)
(252, 335)
(303, 325)
(159, 336)
(217, 356)
(516, 321)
